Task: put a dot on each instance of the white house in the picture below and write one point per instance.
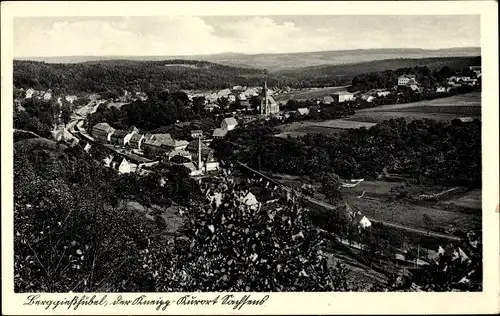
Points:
(342, 96)
(229, 123)
(47, 95)
(440, 89)
(219, 133)
(303, 111)
(361, 221)
(367, 97)
(383, 93)
(29, 93)
(102, 132)
(231, 98)
(250, 200)
(406, 80)
(136, 141)
(124, 166)
(327, 100)
(71, 98)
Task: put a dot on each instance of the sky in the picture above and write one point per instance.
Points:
(190, 35)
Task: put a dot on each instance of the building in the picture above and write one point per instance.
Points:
(229, 123)
(382, 93)
(193, 171)
(219, 133)
(223, 93)
(119, 137)
(102, 132)
(268, 105)
(153, 145)
(242, 96)
(47, 95)
(361, 221)
(249, 199)
(124, 166)
(414, 87)
(441, 90)
(231, 98)
(196, 133)
(71, 98)
(368, 98)
(406, 80)
(29, 93)
(135, 141)
(196, 146)
(328, 100)
(179, 154)
(342, 96)
(175, 145)
(303, 111)
(62, 135)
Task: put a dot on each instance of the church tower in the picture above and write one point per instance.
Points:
(264, 107)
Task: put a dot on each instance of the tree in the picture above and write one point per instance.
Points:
(238, 248)
(427, 221)
(223, 103)
(66, 113)
(330, 186)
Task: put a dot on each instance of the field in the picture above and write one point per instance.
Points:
(379, 202)
(471, 200)
(324, 127)
(445, 109)
(305, 94)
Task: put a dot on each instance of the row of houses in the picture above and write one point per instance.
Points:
(196, 156)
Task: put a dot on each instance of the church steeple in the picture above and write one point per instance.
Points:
(264, 103)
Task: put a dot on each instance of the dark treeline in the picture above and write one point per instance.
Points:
(159, 110)
(426, 150)
(114, 76)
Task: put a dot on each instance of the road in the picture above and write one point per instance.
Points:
(332, 207)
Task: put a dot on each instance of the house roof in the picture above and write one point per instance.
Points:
(219, 132)
(328, 99)
(136, 137)
(161, 137)
(342, 93)
(230, 121)
(189, 165)
(303, 110)
(119, 133)
(105, 127)
(193, 146)
(175, 143)
(407, 76)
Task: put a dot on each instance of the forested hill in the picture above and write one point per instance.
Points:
(108, 75)
(381, 65)
(133, 75)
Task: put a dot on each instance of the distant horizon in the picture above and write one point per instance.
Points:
(255, 54)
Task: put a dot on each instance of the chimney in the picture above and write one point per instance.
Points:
(199, 152)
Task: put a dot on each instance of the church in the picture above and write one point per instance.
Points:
(268, 105)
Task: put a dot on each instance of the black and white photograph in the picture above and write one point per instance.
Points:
(247, 153)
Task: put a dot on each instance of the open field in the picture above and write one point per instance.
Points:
(305, 94)
(379, 117)
(472, 99)
(470, 200)
(376, 204)
(322, 127)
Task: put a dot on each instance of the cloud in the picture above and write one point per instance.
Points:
(186, 35)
